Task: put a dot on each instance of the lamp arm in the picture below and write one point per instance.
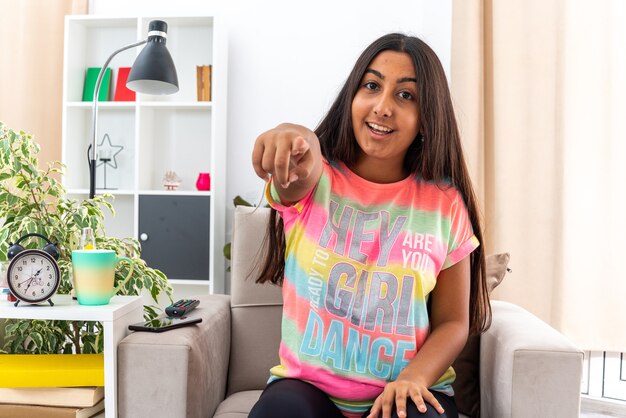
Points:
(94, 118)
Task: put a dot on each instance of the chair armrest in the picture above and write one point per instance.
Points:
(527, 368)
(177, 373)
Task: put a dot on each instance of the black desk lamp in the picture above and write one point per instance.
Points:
(152, 73)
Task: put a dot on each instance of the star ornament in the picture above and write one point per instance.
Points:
(107, 152)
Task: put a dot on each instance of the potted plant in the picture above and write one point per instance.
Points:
(32, 200)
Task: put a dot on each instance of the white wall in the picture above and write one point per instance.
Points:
(288, 59)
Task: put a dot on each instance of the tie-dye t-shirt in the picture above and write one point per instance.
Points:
(361, 259)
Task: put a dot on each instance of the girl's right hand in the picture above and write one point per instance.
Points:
(291, 155)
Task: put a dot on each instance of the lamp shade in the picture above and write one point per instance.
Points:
(153, 71)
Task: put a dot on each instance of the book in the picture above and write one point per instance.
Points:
(207, 74)
(79, 397)
(91, 77)
(50, 370)
(31, 411)
(203, 78)
(199, 82)
(123, 93)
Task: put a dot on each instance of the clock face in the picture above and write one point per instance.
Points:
(33, 276)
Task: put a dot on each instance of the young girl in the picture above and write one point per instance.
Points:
(376, 246)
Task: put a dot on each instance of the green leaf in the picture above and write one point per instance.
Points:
(25, 211)
(17, 345)
(37, 339)
(23, 325)
(52, 339)
(240, 201)
(110, 207)
(11, 328)
(148, 283)
(150, 311)
(4, 234)
(12, 199)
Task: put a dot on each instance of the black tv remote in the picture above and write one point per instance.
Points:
(182, 307)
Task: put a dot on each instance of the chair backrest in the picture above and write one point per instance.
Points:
(256, 310)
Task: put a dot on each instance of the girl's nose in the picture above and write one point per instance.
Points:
(383, 107)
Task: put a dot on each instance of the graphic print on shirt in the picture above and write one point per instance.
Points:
(366, 303)
(360, 262)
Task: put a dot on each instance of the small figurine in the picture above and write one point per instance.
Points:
(171, 181)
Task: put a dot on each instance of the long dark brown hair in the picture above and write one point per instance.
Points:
(439, 158)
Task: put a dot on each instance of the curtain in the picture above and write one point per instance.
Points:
(31, 71)
(540, 92)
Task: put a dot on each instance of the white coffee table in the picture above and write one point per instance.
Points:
(115, 317)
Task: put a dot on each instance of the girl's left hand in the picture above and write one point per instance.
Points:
(397, 392)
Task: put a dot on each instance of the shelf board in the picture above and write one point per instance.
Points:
(101, 191)
(190, 282)
(65, 308)
(144, 104)
(182, 20)
(95, 21)
(102, 105)
(176, 105)
(174, 192)
(128, 192)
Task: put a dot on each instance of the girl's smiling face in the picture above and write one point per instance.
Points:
(385, 117)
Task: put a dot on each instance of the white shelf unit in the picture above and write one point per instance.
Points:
(158, 133)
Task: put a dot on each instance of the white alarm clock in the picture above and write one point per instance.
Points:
(33, 275)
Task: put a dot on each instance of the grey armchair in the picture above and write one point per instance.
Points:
(219, 367)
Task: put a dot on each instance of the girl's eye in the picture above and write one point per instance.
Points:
(406, 95)
(370, 85)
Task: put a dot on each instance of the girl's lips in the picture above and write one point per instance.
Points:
(377, 133)
(379, 127)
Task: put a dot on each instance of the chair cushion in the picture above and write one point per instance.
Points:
(256, 309)
(248, 237)
(238, 405)
(255, 339)
(467, 383)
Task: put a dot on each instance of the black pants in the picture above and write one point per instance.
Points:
(292, 398)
